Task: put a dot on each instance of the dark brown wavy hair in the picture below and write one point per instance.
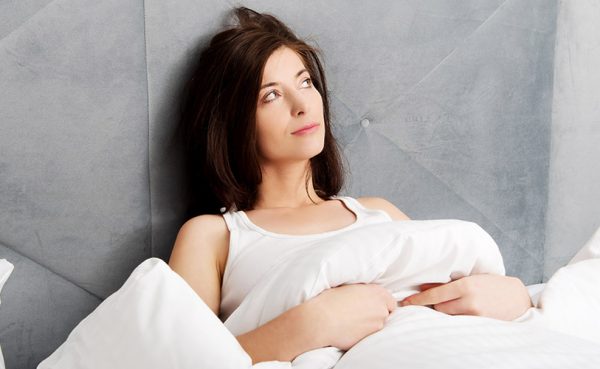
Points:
(218, 120)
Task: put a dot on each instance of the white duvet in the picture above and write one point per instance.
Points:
(156, 321)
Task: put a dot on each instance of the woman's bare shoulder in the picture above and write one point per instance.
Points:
(209, 225)
(204, 234)
(382, 204)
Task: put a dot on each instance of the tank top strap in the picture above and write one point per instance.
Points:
(364, 215)
(233, 221)
(351, 203)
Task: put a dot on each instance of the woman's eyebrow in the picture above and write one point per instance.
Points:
(275, 83)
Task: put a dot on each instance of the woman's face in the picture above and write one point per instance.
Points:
(287, 103)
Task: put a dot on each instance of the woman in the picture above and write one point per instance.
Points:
(264, 176)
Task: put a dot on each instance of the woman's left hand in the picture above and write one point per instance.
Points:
(488, 295)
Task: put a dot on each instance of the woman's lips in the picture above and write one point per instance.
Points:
(309, 128)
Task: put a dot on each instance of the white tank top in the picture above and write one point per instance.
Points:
(254, 250)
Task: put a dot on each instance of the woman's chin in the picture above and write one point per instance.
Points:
(313, 152)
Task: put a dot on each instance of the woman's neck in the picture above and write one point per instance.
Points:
(286, 187)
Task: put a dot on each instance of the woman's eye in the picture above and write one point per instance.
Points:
(270, 96)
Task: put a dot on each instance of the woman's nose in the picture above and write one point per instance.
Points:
(299, 104)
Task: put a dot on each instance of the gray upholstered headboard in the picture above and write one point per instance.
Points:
(447, 109)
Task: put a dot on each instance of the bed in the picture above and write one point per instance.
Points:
(465, 109)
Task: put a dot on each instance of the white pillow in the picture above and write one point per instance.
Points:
(155, 320)
(5, 269)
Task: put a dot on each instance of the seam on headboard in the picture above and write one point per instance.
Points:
(549, 164)
(149, 161)
(26, 20)
(464, 41)
(14, 249)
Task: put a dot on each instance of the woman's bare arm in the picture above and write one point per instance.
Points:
(198, 256)
(199, 251)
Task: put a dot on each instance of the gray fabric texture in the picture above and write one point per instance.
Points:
(447, 109)
(574, 191)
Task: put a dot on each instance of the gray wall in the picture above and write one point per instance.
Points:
(459, 97)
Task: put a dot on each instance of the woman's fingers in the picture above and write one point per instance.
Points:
(434, 295)
(352, 312)
(489, 295)
(391, 303)
(454, 307)
(426, 286)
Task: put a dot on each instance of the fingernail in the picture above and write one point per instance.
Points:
(404, 303)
